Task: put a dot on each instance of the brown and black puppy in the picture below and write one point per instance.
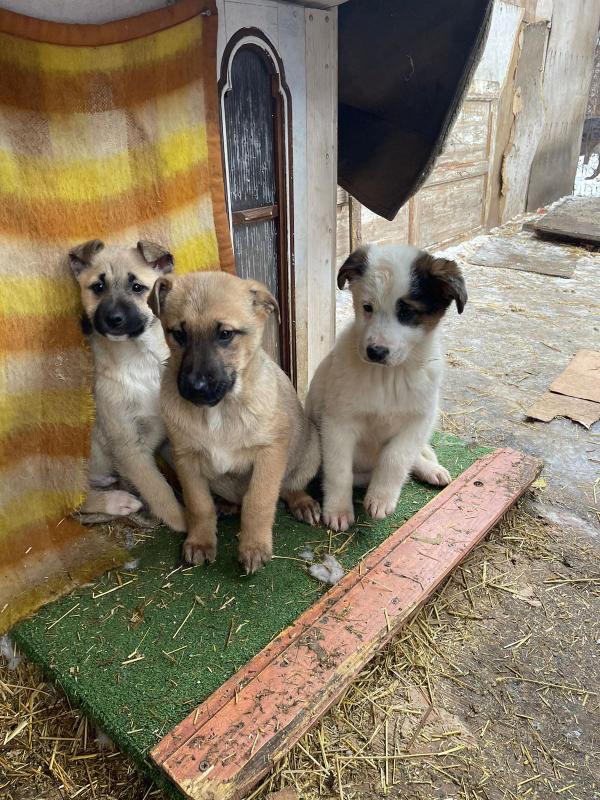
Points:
(234, 421)
(129, 356)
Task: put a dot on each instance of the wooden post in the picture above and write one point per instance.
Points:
(355, 218)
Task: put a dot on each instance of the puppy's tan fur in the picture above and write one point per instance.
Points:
(256, 443)
(128, 427)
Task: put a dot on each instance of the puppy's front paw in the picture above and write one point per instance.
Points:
(199, 548)
(437, 475)
(338, 519)
(121, 504)
(379, 505)
(305, 509)
(254, 554)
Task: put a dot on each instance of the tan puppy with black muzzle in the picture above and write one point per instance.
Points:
(235, 423)
(129, 356)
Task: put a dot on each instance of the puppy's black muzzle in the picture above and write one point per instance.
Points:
(204, 389)
(118, 318)
(377, 354)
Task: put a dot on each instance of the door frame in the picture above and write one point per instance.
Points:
(282, 140)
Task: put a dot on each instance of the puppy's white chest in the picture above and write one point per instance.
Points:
(222, 445)
(142, 384)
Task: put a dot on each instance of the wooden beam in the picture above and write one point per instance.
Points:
(230, 741)
(354, 209)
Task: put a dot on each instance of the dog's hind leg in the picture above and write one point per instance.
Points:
(428, 469)
(101, 472)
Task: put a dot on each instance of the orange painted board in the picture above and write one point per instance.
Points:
(222, 748)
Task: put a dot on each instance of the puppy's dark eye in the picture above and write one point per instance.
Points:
(404, 312)
(224, 336)
(179, 335)
(368, 308)
(98, 287)
(138, 288)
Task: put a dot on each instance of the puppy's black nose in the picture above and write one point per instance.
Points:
(114, 318)
(377, 353)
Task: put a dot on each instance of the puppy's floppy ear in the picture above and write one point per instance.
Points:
(453, 284)
(156, 256)
(354, 267)
(263, 301)
(443, 280)
(158, 295)
(83, 255)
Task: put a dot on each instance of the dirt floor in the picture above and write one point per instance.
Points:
(493, 691)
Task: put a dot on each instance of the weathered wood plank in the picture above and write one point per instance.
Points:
(449, 211)
(528, 114)
(223, 747)
(321, 154)
(527, 255)
(567, 72)
(576, 219)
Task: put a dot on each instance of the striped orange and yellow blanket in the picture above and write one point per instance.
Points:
(106, 132)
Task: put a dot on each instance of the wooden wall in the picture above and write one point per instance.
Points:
(452, 204)
(516, 140)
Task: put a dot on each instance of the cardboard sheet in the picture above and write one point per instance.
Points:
(581, 378)
(551, 405)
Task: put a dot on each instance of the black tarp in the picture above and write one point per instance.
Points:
(404, 66)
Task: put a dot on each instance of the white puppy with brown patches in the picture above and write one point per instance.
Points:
(374, 398)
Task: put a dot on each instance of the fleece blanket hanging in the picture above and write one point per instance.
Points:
(106, 131)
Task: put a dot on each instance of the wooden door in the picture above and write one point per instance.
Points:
(255, 165)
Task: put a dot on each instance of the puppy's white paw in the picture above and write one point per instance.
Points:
(121, 504)
(337, 519)
(379, 505)
(436, 475)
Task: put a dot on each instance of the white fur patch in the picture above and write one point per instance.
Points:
(8, 650)
(330, 571)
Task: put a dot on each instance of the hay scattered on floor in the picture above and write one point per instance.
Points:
(393, 728)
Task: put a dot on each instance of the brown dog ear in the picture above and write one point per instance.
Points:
(441, 281)
(453, 284)
(156, 256)
(83, 255)
(354, 267)
(158, 295)
(263, 301)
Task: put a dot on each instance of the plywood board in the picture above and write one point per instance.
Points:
(566, 84)
(528, 256)
(576, 219)
(551, 405)
(581, 378)
(225, 745)
(528, 121)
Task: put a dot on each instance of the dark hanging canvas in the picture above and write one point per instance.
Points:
(404, 67)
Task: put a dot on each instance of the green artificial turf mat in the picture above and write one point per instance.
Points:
(144, 646)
